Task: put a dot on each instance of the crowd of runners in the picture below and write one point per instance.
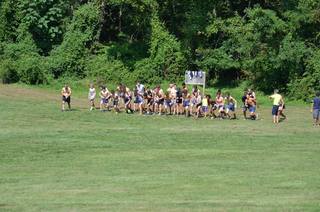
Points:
(177, 100)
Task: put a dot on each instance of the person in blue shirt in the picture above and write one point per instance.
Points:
(315, 109)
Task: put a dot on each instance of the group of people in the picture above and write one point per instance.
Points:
(172, 101)
(177, 100)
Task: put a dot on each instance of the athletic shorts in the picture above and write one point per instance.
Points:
(231, 107)
(115, 102)
(179, 101)
(66, 99)
(169, 103)
(150, 101)
(127, 100)
(186, 103)
(275, 110)
(252, 109)
(138, 100)
(104, 101)
(316, 113)
(245, 108)
(282, 107)
(220, 107)
(205, 109)
(160, 101)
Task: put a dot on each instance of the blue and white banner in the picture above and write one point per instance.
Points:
(195, 77)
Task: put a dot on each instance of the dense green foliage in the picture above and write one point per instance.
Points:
(270, 44)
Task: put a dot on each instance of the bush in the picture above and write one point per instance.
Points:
(146, 72)
(305, 87)
(103, 69)
(8, 73)
(31, 70)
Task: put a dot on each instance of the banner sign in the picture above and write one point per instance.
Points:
(195, 77)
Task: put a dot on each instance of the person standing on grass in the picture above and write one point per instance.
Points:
(115, 99)
(220, 104)
(159, 99)
(277, 99)
(104, 98)
(92, 96)
(245, 106)
(66, 97)
(252, 106)
(281, 109)
(205, 105)
(315, 109)
(231, 105)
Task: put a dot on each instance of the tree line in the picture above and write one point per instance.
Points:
(267, 43)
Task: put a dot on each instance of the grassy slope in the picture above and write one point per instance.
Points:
(85, 160)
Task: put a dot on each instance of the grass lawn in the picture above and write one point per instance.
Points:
(93, 161)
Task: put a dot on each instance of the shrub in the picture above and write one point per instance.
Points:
(103, 69)
(8, 72)
(31, 70)
(146, 72)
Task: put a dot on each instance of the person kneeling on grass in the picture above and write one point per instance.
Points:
(315, 109)
(277, 99)
(231, 105)
(66, 97)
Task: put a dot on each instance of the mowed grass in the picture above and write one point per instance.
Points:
(92, 161)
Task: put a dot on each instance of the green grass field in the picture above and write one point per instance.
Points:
(93, 161)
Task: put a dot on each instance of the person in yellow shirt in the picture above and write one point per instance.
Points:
(205, 105)
(66, 97)
(277, 99)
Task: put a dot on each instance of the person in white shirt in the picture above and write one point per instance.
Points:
(92, 96)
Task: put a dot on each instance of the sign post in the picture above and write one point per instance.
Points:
(195, 78)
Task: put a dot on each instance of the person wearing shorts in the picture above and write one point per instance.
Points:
(252, 106)
(168, 103)
(244, 106)
(281, 109)
(159, 99)
(104, 98)
(148, 95)
(179, 99)
(205, 105)
(115, 101)
(198, 104)
(231, 105)
(315, 109)
(186, 104)
(66, 97)
(220, 104)
(92, 96)
(138, 102)
(127, 101)
(277, 99)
